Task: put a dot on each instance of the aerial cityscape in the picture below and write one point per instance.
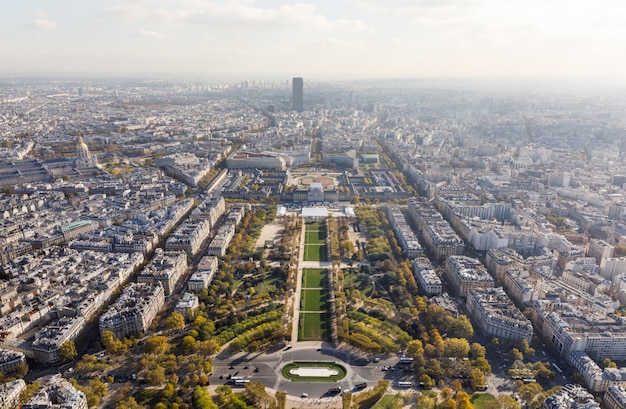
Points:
(302, 243)
(353, 204)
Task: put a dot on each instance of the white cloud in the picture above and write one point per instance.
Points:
(413, 6)
(43, 24)
(331, 42)
(148, 34)
(236, 15)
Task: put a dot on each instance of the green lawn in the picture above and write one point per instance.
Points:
(312, 326)
(315, 224)
(359, 281)
(314, 278)
(314, 252)
(315, 237)
(482, 400)
(313, 300)
(148, 397)
(390, 402)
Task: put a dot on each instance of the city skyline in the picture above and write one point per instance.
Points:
(321, 40)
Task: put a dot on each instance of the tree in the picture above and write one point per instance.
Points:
(201, 399)
(456, 385)
(67, 351)
(528, 391)
(156, 344)
(414, 348)
(482, 364)
(175, 321)
(188, 345)
(456, 347)
(477, 351)
(607, 363)
(425, 402)
(447, 404)
(21, 370)
(112, 344)
(463, 401)
(437, 341)
(29, 391)
(445, 393)
(508, 402)
(98, 387)
(426, 381)
(208, 347)
(155, 376)
(129, 403)
(516, 354)
(477, 379)
(543, 370)
(459, 327)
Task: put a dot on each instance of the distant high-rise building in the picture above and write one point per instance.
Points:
(298, 94)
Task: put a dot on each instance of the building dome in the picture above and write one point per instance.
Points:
(81, 144)
(84, 159)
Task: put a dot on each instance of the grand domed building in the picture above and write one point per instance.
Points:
(85, 164)
(84, 160)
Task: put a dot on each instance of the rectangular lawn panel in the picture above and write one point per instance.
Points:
(312, 327)
(315, 237)
(314, 278)
(313, 300)
(315, 253)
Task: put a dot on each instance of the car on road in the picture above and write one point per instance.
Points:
(377, 359)
(304, 395)
(360, 386)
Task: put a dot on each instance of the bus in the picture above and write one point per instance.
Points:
(241, 382)
(404, 384)
(406, 360)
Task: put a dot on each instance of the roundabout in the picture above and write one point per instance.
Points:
(314, 372)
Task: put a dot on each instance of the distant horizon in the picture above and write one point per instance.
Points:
(239, 77)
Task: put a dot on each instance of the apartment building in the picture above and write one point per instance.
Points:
(496, 315)
(134, 311)
(166, 268)
(465, 273)
(427, 279)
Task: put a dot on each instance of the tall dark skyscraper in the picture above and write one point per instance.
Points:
(297, 100)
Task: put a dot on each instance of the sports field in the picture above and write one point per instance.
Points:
(314, 278)
(313, 326)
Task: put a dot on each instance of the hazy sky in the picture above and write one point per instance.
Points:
(317, 38)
